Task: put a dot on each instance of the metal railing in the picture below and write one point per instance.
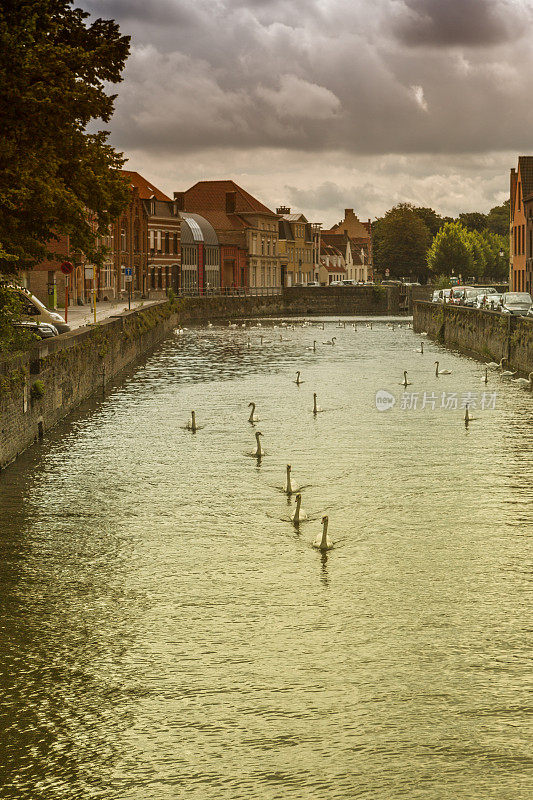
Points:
(233, 291)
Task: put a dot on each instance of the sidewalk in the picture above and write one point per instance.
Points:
(78, 316)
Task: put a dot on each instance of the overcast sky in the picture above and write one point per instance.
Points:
(327, 104)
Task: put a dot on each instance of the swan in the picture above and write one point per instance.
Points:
(179, 331)
(191, 424)
(261, 340)
(495, 365)
(209, 324)
(506, 373)
(527, 383)
(421, 349)
(331, 341)
(313, 348)
(288, 485)
(253, 416)
(424, 333)
(468, 418)
(405, 382)
(485, 378)
(232, 324)
(259, 452)
(316, 409)
(248, 343)
(298, 514)
(298, 381)
(323, 542)
(441, 371)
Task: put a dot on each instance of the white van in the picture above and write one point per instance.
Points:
(35, 311)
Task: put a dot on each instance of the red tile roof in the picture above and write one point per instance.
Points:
(146, 189)
(209, 199)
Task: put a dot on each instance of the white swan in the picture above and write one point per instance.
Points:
(527, 383)
(298, 381)
(506, 373)
(424, 333)
(421, 350)
(495, 365)
(259, 452)
(253, 416)
(405, 382)
(298, 514)
(316, 409)
(249, 343)
(322, 541)
(313, 348)
(331, 341)
(191, 424)
(179, 331)
(441, 371)
(232, 324)
(485, 378)
(209, 324)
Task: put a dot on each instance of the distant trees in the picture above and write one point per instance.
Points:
(400, 241)
(470, 253)
(417, 242)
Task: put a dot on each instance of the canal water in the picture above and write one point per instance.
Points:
(167, 633)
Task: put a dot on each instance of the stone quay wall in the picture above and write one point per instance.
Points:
(40, 387)
(484, 334)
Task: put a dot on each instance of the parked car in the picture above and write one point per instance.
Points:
(457, 294)
(34, 311)
(349, 282)
(42, 329)
(335, 283)
(441, 295)
(312, 283)
(516, 303)
(469, 297)
(488, 301)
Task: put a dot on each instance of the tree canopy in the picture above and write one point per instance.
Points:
(400, 243)
(55, 177)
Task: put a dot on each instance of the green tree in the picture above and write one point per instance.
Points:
(451, 251)
(498, 219)
(473, 221)
(497, 252)
(430, 217)
(55, 177)
(479, 249)
(400, 243)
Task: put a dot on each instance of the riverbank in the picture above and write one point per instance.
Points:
(484, 334)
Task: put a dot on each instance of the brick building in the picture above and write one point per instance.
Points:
(200, 255)
(295, 240)
(521, 226)
(162, 232)
(246, 229)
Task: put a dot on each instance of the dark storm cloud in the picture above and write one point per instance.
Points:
(450, 23)
(322, 75)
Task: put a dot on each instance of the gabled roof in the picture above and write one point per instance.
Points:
(209, 199)
(145, 188)
(294, 217)
(525, 165)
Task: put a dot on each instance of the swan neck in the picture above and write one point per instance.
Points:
(324, 540)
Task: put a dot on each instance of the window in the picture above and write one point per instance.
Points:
(123, 239)
(158, 237)
(151, 236)
(175, 243)
(167, 242)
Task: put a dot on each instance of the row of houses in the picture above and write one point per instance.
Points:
(212, 237)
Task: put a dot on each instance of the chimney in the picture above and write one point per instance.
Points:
(283, 210)
(231, 202)
(179, 201)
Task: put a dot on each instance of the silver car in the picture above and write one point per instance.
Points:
(516, 303)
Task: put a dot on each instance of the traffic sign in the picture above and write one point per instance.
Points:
(127, 272)
(66, 267)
